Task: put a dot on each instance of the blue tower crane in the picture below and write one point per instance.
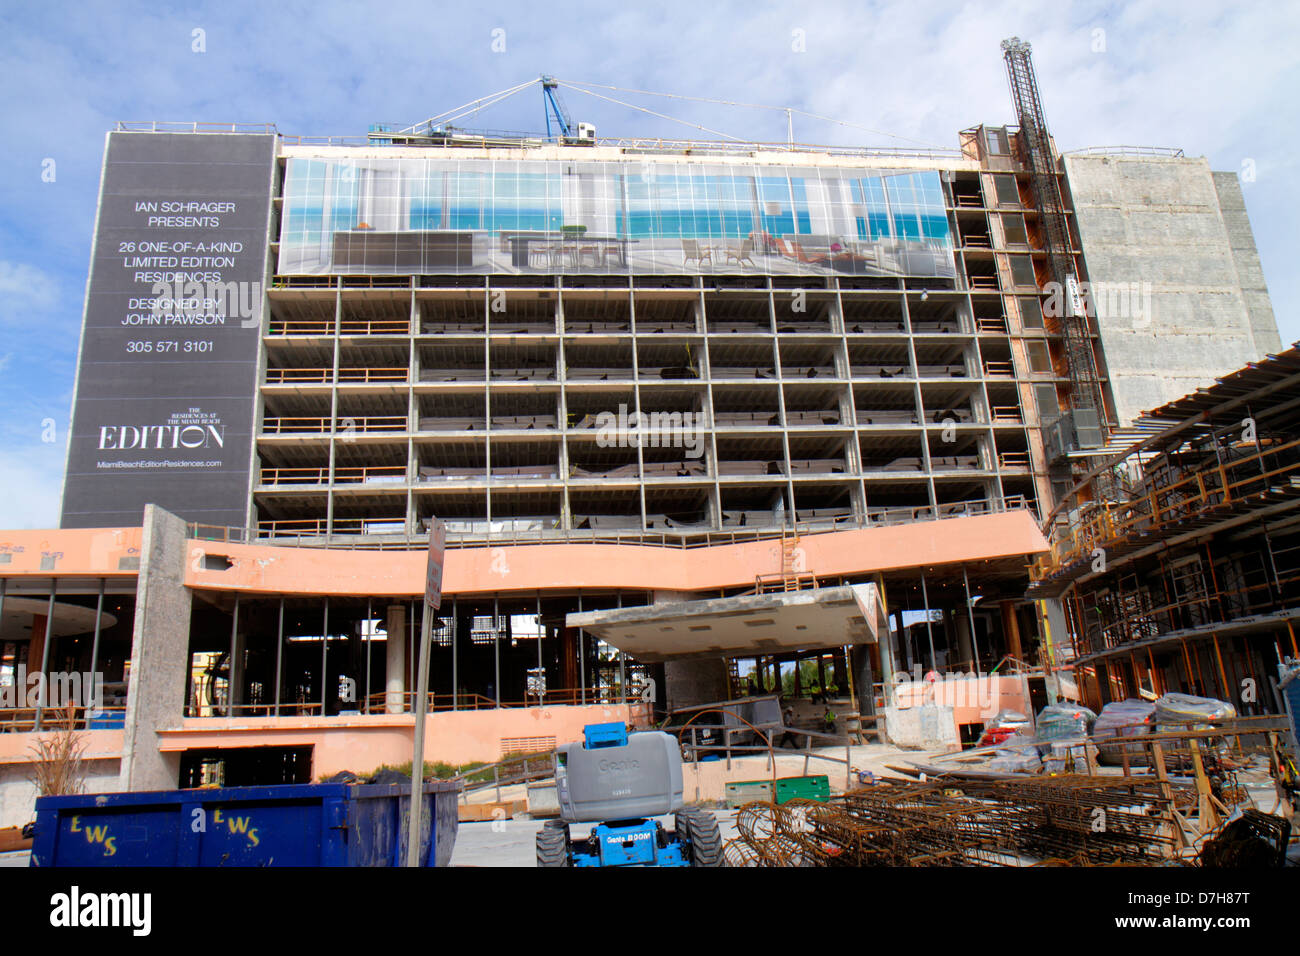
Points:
(566, 132)
(552, 104)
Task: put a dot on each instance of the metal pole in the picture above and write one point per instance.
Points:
(929, 627)
(455, 677)
(45, 656)
(324, 649)
(582, 658)
(230, 669)
(496, 650)
(622, 671)
(541, 631)
(94, 645)
(369, 630)
(970, 615)
(279, 657)
(417, 761)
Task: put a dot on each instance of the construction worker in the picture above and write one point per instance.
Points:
(787, 721)
(828, 720)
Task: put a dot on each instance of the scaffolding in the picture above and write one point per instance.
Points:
(1087, 401)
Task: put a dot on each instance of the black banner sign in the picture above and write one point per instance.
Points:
(167, 379)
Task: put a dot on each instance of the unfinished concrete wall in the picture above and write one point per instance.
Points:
(1196, 307)
(18, 789)
(1250, 273)
(160, 654)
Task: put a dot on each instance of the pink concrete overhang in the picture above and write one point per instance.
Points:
(1011, 536)
(747, 624)
(70, 553)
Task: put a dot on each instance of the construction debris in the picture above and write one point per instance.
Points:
(1077, 819)
(1251, 841)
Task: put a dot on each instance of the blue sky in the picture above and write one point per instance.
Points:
(1217, 79)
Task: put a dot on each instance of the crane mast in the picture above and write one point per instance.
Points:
(1088, 409)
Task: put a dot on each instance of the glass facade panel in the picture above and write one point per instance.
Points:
(412, 215)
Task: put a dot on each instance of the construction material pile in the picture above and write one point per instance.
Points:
(1087, 820)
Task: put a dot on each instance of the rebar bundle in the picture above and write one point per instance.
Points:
(1084, 819)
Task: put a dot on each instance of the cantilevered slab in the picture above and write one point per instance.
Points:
(750, 624)
(1003, 541)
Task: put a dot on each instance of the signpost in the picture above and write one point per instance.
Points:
(432, 601)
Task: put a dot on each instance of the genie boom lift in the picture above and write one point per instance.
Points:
(620, 781)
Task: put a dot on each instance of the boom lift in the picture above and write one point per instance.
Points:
(620, 781)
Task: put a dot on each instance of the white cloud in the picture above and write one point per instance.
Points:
(27, 294)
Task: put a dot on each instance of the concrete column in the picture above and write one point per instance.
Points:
(965, 650)
(692, 682)
(863, 678)
(36, 647)
(1011, 627)
(395, 673)
(160, 654)
(238, 642)
(1056, 643)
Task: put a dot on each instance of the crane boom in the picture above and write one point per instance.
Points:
(553, 105)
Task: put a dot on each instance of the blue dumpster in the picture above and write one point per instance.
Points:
(327, 824)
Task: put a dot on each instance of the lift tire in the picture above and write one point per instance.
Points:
(700, 829)
(553, 844)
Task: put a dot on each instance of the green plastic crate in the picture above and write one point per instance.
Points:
(816, 787)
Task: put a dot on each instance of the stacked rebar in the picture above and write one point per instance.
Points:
(1089, 819)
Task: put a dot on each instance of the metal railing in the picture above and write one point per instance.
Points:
(1204, 609)
(313, 532)
(281, 327)
(364, 375)
(553, 697)
(1171, 151)
(362, 424)
(506, 773)
(342, 475)
(283, 709)
(163, 126)
(1196, 493)
(23, 719)
(317, 527)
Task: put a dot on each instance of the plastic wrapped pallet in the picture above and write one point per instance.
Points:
(1176, 712)
(1123, 718)
(1063, 721)
(1016, 760)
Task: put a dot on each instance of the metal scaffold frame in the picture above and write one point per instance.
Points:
(1040, 161)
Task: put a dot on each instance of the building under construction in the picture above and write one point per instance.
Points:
(692, 412)
(1181, 574)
